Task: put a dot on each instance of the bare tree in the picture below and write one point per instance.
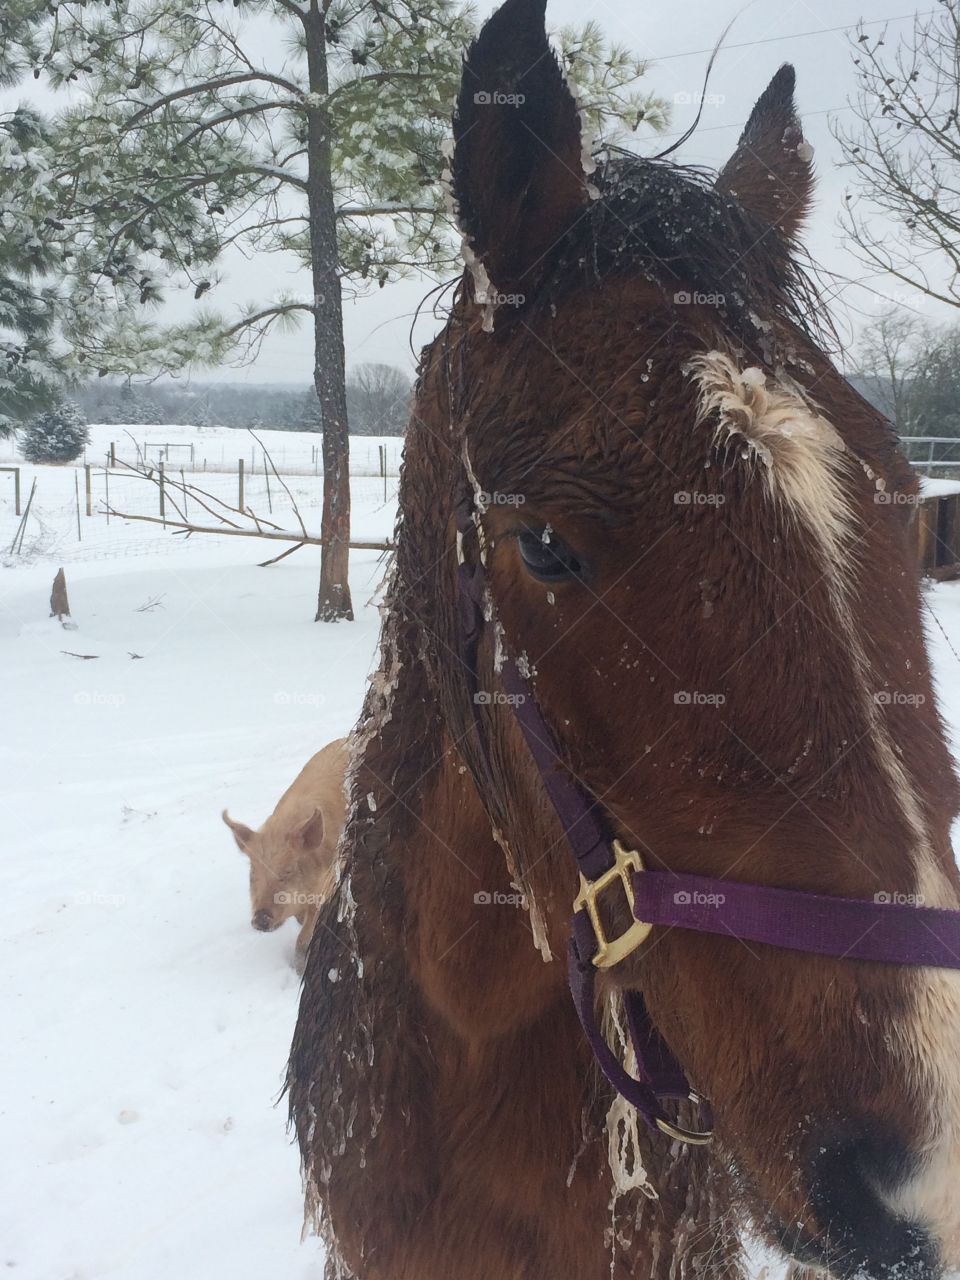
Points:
(912, 372)
(378, 399)
(887, 360)
(903, 212)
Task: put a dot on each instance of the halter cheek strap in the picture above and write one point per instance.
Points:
(660, 1075)
(880, 930)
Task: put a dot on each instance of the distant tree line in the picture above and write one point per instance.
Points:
(910, 370)
(378, 397)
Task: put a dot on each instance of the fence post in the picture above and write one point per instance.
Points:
(21, 527)
(383, 468)
(113, 454)
(240, 483)
(163, 496)
(88, 486)
(76, 494)
(106, 491)
(16, 491)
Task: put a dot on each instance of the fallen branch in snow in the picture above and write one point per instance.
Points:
(230, 517)
(275, 535)
(87, 657)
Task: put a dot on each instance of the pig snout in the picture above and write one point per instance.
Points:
(264, 921)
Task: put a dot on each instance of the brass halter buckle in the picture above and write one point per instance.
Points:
(611, 951)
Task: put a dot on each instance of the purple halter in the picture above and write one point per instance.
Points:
(846, 928)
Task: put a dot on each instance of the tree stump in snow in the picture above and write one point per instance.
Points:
(59, 604)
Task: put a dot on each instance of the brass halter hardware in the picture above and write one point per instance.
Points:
(611, 951)
(691, 1137)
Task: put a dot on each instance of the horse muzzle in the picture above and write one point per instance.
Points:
(861, 1235)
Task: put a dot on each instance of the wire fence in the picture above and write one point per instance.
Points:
(78, 511)
(937, 456)
(219, 449)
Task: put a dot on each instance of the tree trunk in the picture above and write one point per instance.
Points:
(329, 362)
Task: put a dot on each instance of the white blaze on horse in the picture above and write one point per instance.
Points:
(651, 607)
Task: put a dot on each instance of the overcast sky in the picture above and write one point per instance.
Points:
(676, 38)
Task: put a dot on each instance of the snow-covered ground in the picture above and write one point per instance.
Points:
(146, 1025)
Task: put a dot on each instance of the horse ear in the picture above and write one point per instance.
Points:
(518, 176)
(770, 172)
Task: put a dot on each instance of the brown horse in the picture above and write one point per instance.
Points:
(697, 543)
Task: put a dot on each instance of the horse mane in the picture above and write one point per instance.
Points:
(683, 232)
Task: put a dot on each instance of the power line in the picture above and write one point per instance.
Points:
(798, 35)
(712, 128)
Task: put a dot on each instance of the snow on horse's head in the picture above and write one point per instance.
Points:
(697, 535)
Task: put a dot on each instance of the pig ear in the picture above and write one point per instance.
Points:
(241, 833)
(310, 834)
(518, 178)
(770, 173)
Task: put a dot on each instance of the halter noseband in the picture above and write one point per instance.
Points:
(845, 928)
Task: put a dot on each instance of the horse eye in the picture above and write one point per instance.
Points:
(547, 557)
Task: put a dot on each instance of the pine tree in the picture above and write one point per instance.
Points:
(31, 370)
(308, 413)
(59, 435)
(191, 138)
